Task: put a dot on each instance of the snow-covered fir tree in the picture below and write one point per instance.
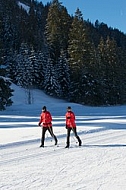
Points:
(5, 93)
(62, 68)
(51, 85)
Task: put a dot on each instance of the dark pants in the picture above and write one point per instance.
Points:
(75, 133)
(50, 129)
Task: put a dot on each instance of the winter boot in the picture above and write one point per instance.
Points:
(55, 140)
(42, 145)
(80, 142)
(67, 146)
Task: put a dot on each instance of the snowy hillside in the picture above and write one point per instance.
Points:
(25, 7)
(100, 164)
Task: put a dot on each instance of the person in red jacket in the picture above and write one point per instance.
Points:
(71, 125)
(46, 120)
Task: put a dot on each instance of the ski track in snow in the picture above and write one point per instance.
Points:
(53, 165)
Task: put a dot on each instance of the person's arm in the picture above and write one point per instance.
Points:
(40, 120)
(74, 116)
(50, 117)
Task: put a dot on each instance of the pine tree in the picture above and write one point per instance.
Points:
(108, 71)
(63, 74)
(112, 72)
(80, 51)
(57, 27)
(5, 93)
(40, 67)
(51, 85)
(5, 90)
(76, 53)
(32, 26)
(122, 74)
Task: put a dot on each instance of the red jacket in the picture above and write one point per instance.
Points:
(70, 119)
(46, 119)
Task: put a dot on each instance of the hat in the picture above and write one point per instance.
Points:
(69, 108)
(44, 108)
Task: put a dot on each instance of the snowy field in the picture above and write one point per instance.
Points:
(100, 164)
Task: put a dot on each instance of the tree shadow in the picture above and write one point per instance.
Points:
(104, 122)
(105, 146)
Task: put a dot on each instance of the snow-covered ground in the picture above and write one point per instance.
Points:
(100, 164)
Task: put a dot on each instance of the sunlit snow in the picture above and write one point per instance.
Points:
(100, 164)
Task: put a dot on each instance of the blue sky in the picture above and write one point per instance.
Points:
(110, 12)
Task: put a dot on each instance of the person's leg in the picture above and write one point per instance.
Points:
(76, 135)
(68, 138)
(50, 129)
(43, 136)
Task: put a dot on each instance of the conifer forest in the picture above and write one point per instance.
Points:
(43, 47)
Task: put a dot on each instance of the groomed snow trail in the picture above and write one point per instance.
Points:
(97, 165)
